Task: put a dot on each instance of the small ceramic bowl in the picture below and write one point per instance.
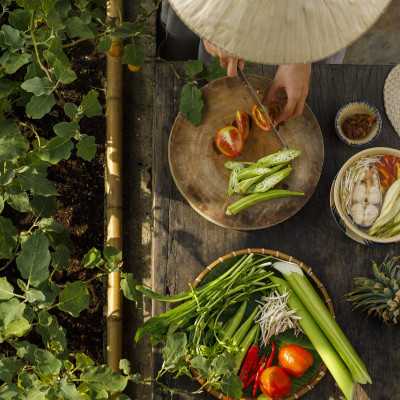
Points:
(341, 217)
(358, 107)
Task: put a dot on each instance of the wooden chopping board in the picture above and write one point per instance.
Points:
(197, 166)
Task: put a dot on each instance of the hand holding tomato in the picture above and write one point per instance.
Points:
(275, 382)
(295, 81)
(295, 360)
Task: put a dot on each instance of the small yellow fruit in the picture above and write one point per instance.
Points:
(116, 49)
(135, 68)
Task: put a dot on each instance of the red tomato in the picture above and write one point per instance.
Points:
(229, 141)
(259, 118)
(273, 111)
(243, 123)
(295, 360)
(275, 382)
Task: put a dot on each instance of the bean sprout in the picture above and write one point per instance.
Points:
(274, 316)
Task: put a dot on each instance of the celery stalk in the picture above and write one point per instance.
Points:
(320, 342)
(316, 307)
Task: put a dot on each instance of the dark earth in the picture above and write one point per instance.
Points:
(81, 201)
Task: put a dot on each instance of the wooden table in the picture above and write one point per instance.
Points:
(184, 242)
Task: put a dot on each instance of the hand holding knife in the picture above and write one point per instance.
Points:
(258, 103)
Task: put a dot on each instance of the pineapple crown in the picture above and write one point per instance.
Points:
(380, 295)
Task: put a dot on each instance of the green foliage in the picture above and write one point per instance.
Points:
(191, 102)
(35, 71)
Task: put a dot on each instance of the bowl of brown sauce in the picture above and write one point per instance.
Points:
(358, 123)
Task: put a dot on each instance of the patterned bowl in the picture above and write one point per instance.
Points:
(358, 107)
(341, 217)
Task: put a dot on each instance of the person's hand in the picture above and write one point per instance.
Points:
(294, 82)
(227, 61)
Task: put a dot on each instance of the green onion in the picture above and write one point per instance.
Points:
(256, 198)
(312, 301)
(320, 342)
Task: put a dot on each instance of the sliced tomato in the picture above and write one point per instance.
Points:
(243, 123)
(259, 118)
(273, 111)
(229, 141)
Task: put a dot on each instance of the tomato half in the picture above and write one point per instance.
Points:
(243, 123)
(229, 141)
(275, 382)
(295, 360)
(259, 118)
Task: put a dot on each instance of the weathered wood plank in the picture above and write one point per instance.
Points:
(185, 243)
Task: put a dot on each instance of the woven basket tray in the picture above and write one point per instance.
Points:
(391, 97)
(307, 270)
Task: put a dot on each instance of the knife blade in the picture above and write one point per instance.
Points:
(258, 103)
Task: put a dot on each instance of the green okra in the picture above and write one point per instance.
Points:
(256, 198)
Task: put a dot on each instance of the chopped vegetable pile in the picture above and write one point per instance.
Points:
(228, 328)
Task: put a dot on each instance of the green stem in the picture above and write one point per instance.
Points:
(36, 48)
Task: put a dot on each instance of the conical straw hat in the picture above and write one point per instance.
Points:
(280, 31)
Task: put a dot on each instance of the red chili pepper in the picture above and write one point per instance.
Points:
(262, 367)
(253, 373)
(271, 356)
(249, 363)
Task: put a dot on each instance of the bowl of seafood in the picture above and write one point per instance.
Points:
(366, 196)
(358, 123)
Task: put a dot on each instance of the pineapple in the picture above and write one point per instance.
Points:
(379, 296)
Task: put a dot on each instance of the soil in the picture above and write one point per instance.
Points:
(81, 201)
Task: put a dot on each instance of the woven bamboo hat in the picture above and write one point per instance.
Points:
(280, 31)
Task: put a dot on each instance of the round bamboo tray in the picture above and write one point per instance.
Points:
(307, 270)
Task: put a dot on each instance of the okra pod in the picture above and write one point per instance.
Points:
(271, 180)
(279, 157)
(256, 198)
(241, 164)
(232, 325)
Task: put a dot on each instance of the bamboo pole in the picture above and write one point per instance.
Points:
(113, 187)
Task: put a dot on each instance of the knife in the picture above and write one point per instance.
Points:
(258, 103)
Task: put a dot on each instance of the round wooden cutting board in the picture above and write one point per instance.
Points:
(197, 166)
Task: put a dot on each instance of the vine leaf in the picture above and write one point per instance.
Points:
(92, 259)
(103, 378)
(60, 257)
(191, 103)
(38, 86)
(66, 130)
(12, 62)
(34, 259)
(133, 55)
(8, 238)
(12, 144)
(43, 206)
(231, 386)
(6, 289)
(74, 298)
(47, 364)
(39, 106)
(8, 367)
(75, 27)
(86, 147)
(63, 73)
(36, 182)
(128, 286)
(193, 67)
(68, 391)
(12, 38)
(90, 106)
(56, 149)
